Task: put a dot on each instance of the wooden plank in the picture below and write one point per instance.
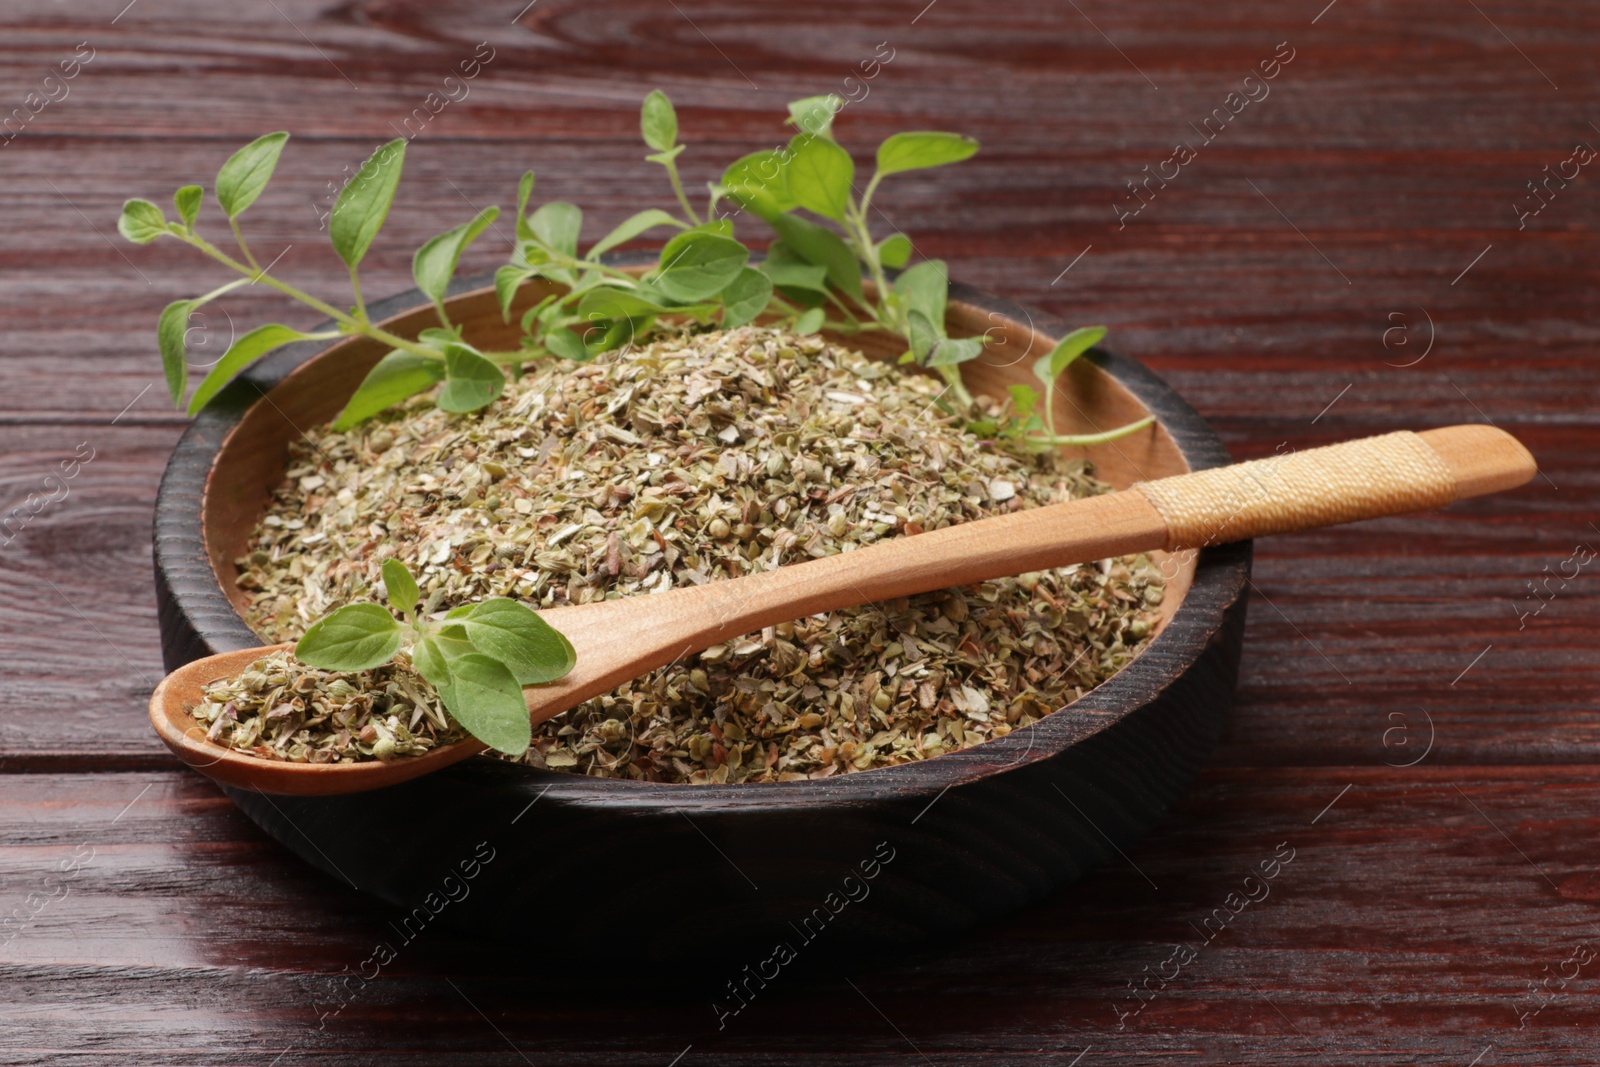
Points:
(259, 61)
(1400, 182)
(78, 617)
(1406, 916)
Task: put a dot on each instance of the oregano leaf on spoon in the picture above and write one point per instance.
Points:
(478, 657)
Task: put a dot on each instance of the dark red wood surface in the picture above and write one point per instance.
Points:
(1373, 190)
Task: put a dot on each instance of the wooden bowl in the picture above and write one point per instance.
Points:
(715, 877)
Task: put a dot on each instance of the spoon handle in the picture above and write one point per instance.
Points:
(1364, 479)
(1369, 478)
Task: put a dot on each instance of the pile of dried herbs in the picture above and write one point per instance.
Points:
(279, 708)
(694, 458)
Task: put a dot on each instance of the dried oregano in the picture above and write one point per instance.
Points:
(694, 458)
(279, 708)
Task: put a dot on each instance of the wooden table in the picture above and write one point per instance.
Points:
(1417, 719)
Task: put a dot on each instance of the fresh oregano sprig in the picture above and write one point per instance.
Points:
(473, 378)
(478, 657)
(811, 276)
(809, 260)
(809, 279)
(1026, 426)
(703, 272)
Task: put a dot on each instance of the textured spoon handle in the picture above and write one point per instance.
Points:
(1386, 475)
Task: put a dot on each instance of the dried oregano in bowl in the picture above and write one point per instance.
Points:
(698, 456)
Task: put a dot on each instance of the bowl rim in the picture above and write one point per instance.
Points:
(1220, 573)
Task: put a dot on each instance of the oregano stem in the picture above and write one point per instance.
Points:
(835, 300)
(872, 187)
(862, 239)
(843, 327)
(355, 287)
(677, 187)
(951, 373)
(256, 274)
(238, 235)
(574, 263)
(219, 290)
(350, 324)
(1050, 440)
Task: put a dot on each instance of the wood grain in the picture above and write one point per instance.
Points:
(1404, 928)
(1396, 142)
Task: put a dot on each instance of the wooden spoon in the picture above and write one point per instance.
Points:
(617, 640)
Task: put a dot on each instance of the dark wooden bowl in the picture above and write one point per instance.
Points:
(717, 877)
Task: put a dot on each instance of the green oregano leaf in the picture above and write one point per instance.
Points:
(921, 334)
(484, 697)
(515, 635)
(583, 340)
(894, 251)
(810, 321)
(524, 192)
(170, 330)
(922, 149)
(949, 351)
(814, 114)
(435, 262)
(610, 302)
(720, 227)
(557, 224)
(745, 297)
(357, 637)
(471, 382)
(926, 288)
(452, 639)
(141, 222)
(439, 336)
(507, 280)
(788, 270)
(431, 661)
(1023, 400)
(187, 200)
(397, 376)
(567, 344)
(246, 173)
(244, 351)
(760, 182)
(696, 265)
(608, 335)
(363, 204)
(820, 176)
(1048, 368)
(401, 588)
(632, 227)
(539, 314)
(821, 246)
(658, 122)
